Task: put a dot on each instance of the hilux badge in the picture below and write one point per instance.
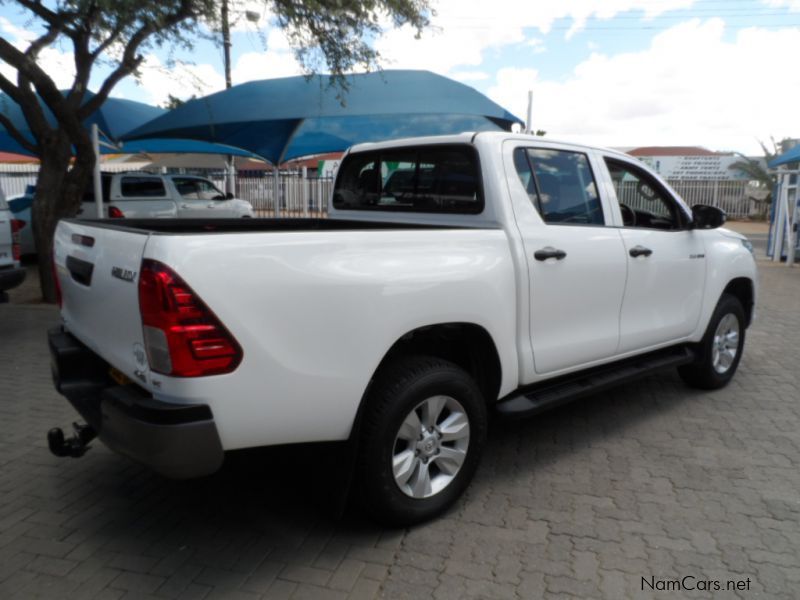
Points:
(124, 274)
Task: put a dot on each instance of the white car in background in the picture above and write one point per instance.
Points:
(11, 273)
(136, 195)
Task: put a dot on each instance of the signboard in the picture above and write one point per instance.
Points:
(715, 167)
(327, 168)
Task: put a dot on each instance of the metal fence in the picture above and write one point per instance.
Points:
(300, 196)
(730, 196)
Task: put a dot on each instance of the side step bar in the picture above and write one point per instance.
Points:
(549, 394)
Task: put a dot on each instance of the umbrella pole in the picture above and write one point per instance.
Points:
(276, 191)
(98, 188)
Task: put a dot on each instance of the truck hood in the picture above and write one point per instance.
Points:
(731, 234)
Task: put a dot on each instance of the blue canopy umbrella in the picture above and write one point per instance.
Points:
(176, 146)
(115, 117)
(790, 156)
(281, 119)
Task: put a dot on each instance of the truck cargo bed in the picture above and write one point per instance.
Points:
(193, 226)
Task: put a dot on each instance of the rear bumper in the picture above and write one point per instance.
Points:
(11, 277)
(179, 441)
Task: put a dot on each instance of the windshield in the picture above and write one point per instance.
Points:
(193, 188)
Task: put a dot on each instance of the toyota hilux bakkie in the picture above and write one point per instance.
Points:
(455, 278)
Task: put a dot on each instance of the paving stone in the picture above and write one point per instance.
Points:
(649, 480)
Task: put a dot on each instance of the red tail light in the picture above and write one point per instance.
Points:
(115, 213)
(16, 248)
(182, 336)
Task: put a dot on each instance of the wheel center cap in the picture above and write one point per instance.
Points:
(428, 445)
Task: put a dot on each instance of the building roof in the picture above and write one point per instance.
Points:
(11, 157)
(671, 151)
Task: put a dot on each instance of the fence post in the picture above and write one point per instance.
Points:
(276, 192)
(777, 239)
(305, 191)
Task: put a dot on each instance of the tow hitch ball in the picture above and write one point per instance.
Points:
(75, 446)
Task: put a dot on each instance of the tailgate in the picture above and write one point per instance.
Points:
(98, 267)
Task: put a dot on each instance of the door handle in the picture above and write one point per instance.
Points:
(549, 252)
(184, 206)
(640, 251)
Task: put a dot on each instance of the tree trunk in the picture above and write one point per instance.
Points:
(59, 190)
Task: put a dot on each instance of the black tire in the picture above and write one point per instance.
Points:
(400, 388)
(701, 373)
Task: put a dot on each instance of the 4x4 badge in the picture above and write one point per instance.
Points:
(124, 274)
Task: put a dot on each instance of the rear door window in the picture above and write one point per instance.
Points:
(561, 185)
(142, 187)
(434, 179)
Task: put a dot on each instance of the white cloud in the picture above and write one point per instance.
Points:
(469, 75)
(463, 31)
(792, 5)
(60, 66)
(57, 64)
(277, 61)
(537, 44)
(265, 65)
(689, 87)
(18, 34)
(182, 81)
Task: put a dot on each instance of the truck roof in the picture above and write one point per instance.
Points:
(468, 137)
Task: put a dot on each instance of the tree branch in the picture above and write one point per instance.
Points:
(18, 137)
(28, 103)
(29, 72)
(10, 89)
(130, 60)
(45, 40)
(104, 45)
(53, 18)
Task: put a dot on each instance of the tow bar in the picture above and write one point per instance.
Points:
(75, 446)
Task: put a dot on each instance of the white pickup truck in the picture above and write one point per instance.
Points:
(139, 195)
(497, 274)
(11, 272)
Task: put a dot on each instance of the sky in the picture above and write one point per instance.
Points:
(721, 74)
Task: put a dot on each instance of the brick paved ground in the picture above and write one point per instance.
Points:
(650, 480)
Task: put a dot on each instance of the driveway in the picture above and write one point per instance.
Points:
(620, 495)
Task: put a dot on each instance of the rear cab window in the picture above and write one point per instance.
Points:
(428, 179)
(142, 187)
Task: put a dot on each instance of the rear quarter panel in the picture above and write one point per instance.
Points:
(316, 312)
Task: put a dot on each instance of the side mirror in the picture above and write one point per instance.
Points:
(229, 196)
(707, 217)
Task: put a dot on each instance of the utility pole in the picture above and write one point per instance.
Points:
(226, 43)
(230, 186)
(528, 128)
